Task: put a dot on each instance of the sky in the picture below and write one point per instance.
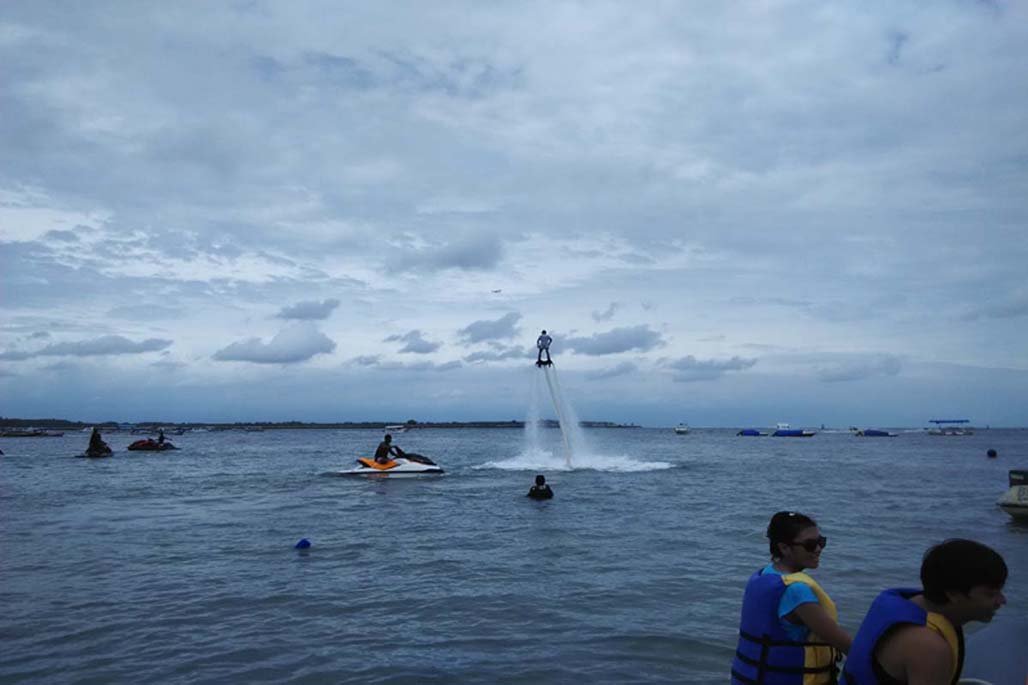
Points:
(725, 214)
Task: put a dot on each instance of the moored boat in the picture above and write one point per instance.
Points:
(950, 427)
(1015, 500)
(682, 429)
(784, 431)
(873, 433)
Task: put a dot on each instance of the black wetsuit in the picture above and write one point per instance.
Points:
(540, 492)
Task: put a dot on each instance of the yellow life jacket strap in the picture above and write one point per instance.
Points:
(941, 625)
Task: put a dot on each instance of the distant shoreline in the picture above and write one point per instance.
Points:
(111, 426)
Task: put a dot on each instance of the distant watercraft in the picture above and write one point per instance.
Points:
(1015, 501)
(31, 433)
(873, 433)
(398, 428)
(750, 432)
(950, 427)
(682, 429)
(784, 431)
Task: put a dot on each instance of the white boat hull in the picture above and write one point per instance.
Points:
(402, 468)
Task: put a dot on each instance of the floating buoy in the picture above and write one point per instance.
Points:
(991, 454)
(304, 543)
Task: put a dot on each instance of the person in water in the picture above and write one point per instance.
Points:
(543, 343)
(789, 631)
(96, 443)
(540, 490)
(160, 436)
(916, 635)
(386, 450)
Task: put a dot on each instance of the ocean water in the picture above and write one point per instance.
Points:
(179, 567)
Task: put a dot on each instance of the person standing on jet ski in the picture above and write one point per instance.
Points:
(543, 343)
(386, 449)
(160, 436)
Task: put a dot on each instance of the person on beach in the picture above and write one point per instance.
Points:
(543, 343)
(386, 450)
(540, 490)
(789, 632)
(916, 635)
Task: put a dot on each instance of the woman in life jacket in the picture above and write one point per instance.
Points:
(789, 632)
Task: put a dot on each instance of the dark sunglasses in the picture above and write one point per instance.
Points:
(811, 545)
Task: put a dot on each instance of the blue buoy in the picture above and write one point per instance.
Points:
(304, 543)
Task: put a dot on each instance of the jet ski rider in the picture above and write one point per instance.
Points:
(385, 449)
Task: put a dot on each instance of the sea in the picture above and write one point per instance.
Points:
(181, 566)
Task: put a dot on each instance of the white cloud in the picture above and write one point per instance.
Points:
(291, 345)
(625, 339)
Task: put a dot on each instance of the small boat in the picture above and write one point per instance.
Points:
(873, 433)
(1015, 500)
(682, 429)
(784, 431)
(409, 464)
(31, 433)
(150, 445)
(398, 428)
(950, 427)
(750, 432)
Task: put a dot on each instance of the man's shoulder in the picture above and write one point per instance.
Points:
(915, 649)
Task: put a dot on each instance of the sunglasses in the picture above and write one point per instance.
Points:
(811, 545)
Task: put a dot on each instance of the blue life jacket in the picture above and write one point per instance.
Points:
(890, 609)
(766, 655)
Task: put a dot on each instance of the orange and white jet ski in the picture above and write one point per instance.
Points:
(409, 464)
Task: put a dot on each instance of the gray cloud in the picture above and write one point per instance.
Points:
(104, 345)
(689, 368)
(859, 369)
(607, 314)
(376, 362)
(291, 345)
(640, 338)
(415, 343)
(499, 353)
(475, 252)
(503, 328)
(64, 236)
(619, 370)
(143, 312)
(309, 310)
(1009, 308)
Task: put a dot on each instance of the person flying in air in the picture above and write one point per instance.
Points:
(543, 343)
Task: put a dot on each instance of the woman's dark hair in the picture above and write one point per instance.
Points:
(784, 527)
(958, 565)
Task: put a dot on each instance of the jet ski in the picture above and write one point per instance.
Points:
(409, 464)
(96, 454)
(150, 445)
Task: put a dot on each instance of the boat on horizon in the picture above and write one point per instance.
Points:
(682, 429)
(873, 433)
(949, 427)
(783, 430)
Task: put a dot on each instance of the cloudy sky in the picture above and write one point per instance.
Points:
(724, 213)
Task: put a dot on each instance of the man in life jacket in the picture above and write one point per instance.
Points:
(916, 635)
(540, 490)
(789, 632)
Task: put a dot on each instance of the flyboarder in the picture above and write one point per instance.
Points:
(543, 343)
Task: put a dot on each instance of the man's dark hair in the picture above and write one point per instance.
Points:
(540, 479)
(388, 438)
(958, 565)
